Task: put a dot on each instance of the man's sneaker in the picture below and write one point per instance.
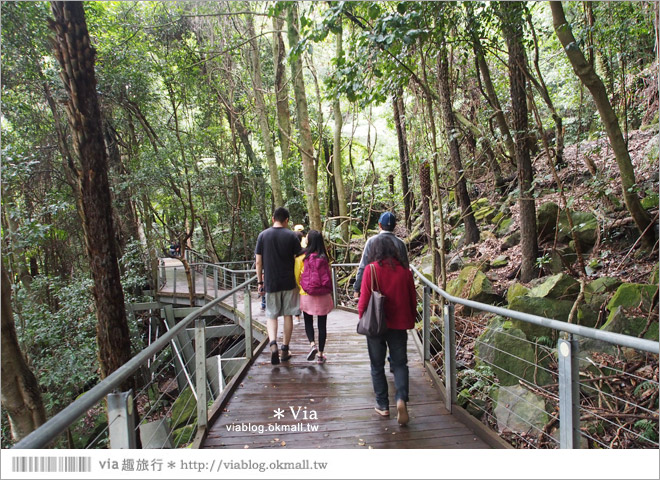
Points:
(285, 353)
(383, 411)
(402, 412)
(312, 353)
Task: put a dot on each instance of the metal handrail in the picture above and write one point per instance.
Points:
(59, 423)
(610, 337)
(567, 349)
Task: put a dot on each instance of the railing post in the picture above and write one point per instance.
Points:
(247, 300)
(174, 284)
(334, 285)
(569, 393)
(200, 372)
(450, 356)
(215, 281)
(204, 277)
(426, 317)
(233, 285)
(193, 283)
(121, 421)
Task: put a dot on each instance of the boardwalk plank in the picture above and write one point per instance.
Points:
(339, 393)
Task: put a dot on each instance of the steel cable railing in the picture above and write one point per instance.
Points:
(553, 386)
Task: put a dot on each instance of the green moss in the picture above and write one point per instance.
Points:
(516, 290)
(183, 409)
(650, 201)
(504, 349)
(560, 286)
(632, 295)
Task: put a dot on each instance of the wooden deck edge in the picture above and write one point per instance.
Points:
(223, 399)
(479, 429)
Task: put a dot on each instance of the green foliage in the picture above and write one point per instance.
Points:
(649, 430)
(478, 383)
(59, 340)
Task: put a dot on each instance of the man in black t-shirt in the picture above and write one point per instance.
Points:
(276, 251)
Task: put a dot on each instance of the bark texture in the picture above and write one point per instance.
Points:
(21, 396)
(512, 23)
(76, 57)
(306, 144)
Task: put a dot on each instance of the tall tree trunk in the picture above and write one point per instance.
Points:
(429, 227)
(21, 396)
(398, 109)
(512, 24)
(542, 88)
(260, 107)
(304, 130)
(592, 81)
(76, 57)
(449, 127)
(490, 92)
(281, 90)
(336, 153)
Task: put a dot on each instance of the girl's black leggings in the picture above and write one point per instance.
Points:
(309, 329)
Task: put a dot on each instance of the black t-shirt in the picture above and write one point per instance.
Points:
(278, 247)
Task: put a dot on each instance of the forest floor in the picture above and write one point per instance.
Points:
(618, 253)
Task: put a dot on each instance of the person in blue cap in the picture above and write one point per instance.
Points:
(386, 224)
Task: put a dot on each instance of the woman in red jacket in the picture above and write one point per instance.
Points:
(396, 283)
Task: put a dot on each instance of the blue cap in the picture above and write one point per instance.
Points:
(387, 221)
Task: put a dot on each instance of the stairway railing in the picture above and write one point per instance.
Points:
(123, 426)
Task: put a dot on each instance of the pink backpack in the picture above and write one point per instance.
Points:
(315, 278)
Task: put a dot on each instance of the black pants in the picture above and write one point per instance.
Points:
(309, 329)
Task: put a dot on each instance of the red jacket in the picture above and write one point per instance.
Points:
(398, 286)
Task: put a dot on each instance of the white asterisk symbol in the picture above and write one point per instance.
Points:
(279, 413)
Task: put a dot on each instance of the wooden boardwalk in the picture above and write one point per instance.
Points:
(301, 404)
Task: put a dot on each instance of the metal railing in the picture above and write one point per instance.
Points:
(534, 395)
(176, 360)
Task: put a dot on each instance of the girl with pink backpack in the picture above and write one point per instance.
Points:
(315, 281)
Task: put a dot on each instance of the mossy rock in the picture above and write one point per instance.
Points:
(519, 410)
(511, 240)
(481, 290)
(503, 226)
(587, 315)
(595, 300)
(499, 262)
(183, 409)
(585, 225)
(650, 201)
(543, 307)
(632, 295)
(546, 219)
(619, 322)
(561, 257)
(505, 350)
(559, 286)
(515, 290)
(184, 435)
(603, 285)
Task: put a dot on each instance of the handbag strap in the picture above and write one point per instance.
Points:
(374, 278)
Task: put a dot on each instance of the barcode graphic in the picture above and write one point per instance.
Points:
(51, 464)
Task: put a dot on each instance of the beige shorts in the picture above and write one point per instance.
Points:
(285, 302)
